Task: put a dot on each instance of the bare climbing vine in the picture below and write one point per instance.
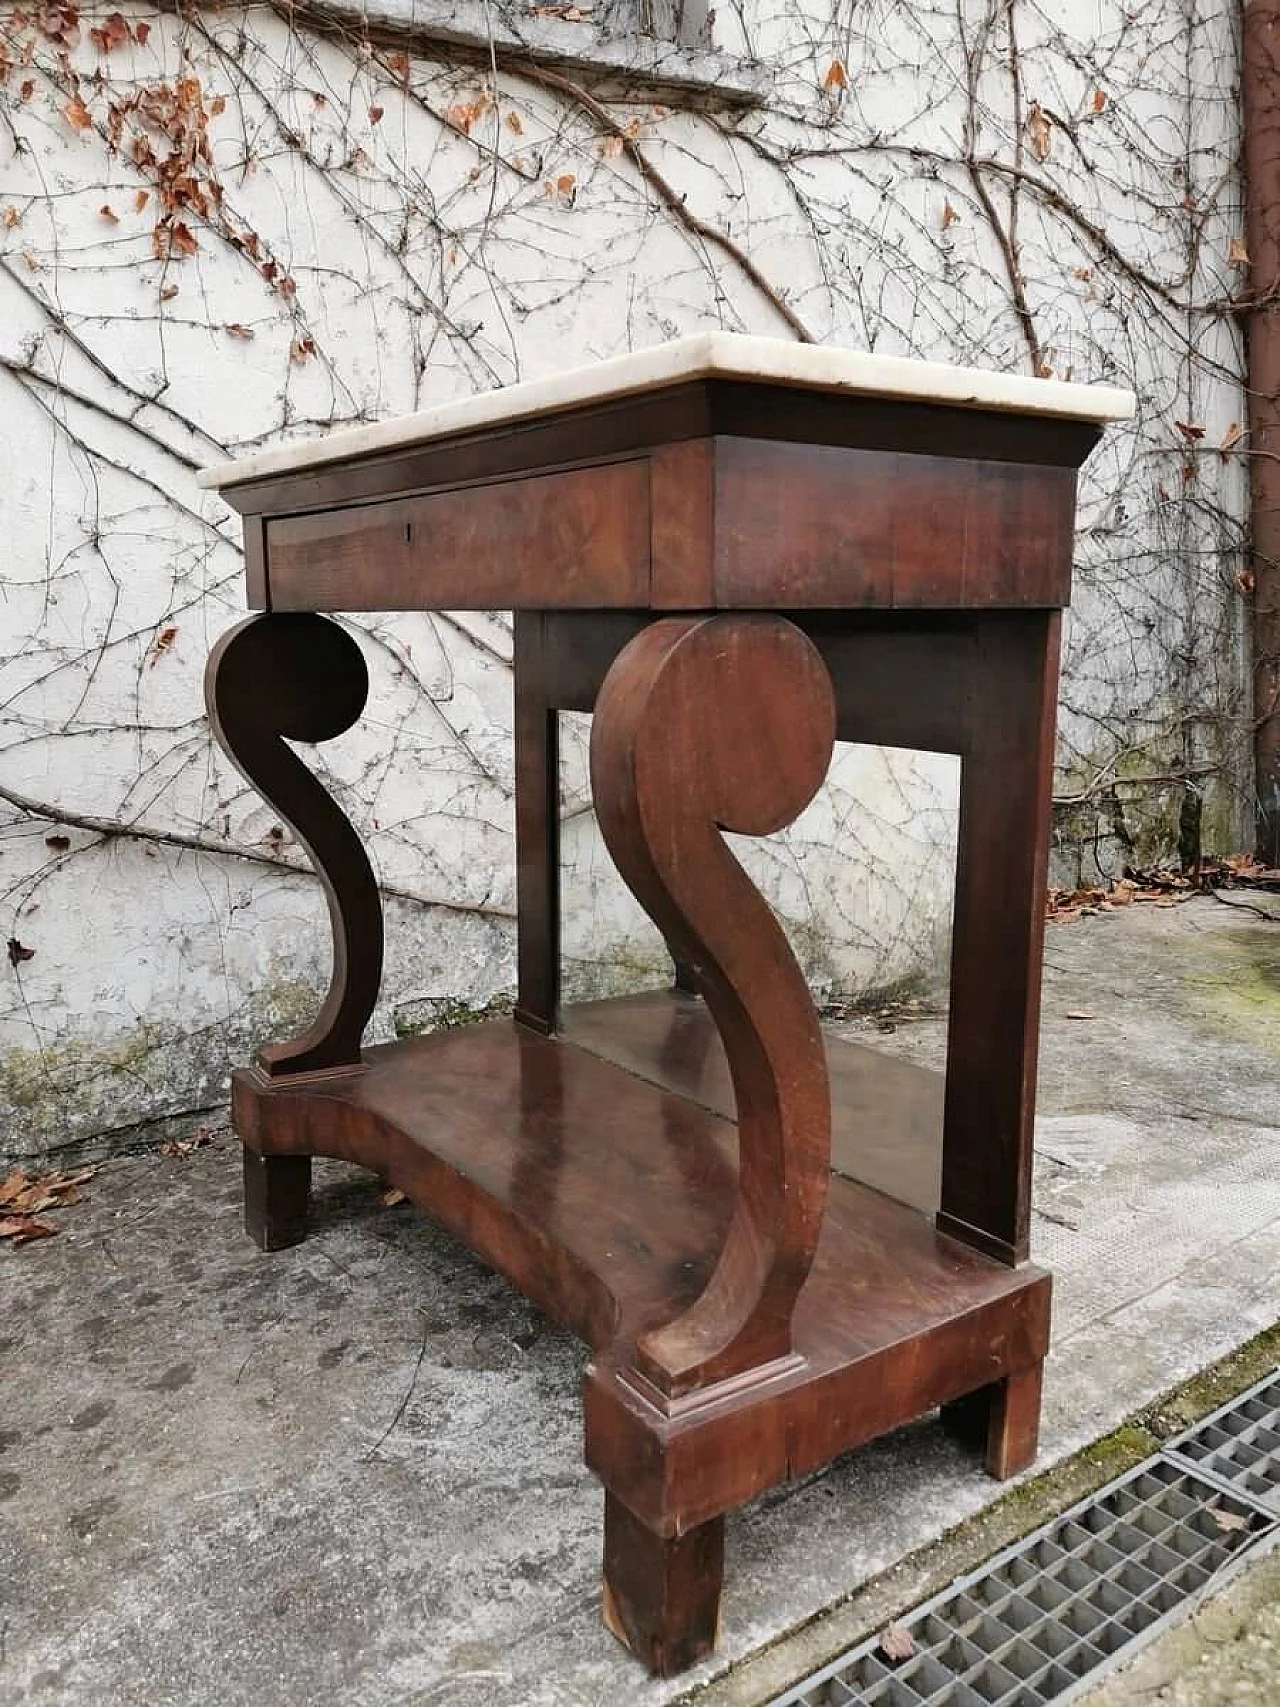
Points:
(221, 225)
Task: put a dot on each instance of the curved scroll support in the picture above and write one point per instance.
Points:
(301, 677)
(727, 723)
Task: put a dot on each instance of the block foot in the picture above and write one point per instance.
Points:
(662, 1597)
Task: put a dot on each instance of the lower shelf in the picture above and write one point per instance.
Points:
(605, 1196)
(886, 1128)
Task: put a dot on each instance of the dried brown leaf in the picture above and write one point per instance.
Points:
(1229, 1522)
(12, 1188)
(837, 77)
(78, 115)
(1237, 253)
(22, 1229)
(181, 1148)
(1040, 131)
(1231, 438)
(896, 1643)
(18, 952)
(465, 114)
(63, 1182)
(391, 1197)
(34, 1199)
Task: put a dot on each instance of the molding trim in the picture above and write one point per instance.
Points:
(480, 29)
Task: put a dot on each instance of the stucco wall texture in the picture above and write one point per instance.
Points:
(222, 229)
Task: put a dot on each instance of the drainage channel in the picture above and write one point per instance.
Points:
(1042, 1620)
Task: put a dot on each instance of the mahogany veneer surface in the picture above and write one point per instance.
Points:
(604, 1196)
(886, 1127)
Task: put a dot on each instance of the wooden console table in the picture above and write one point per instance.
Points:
(735, 551)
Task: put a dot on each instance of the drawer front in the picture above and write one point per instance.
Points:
(573, 540)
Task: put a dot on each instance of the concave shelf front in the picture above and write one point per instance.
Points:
(605, 1196)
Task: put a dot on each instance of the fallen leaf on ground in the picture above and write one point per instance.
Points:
(895, 1643)
(183, 1147)
(1228, 1521)
(24, 1197)
(22, 1229)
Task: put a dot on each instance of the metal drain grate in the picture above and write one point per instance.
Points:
(1048, 1614)
(1240, 1444)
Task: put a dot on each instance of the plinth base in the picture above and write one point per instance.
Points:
(604, 1195)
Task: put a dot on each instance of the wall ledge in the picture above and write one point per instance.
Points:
(612, 61)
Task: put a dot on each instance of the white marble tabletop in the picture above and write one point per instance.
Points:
(706, 355)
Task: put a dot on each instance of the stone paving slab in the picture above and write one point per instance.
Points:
(351, 1473)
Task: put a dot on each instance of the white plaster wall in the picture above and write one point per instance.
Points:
(441, 231)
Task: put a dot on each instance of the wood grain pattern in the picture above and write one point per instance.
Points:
(537, 740)
(302, 678)
(823, 526)
(998, 933)
(607, 1200)
(705, 725)
(1001, 1422)
(886, 1113)
(661, 1595)
(682, 484)
(277, 1196)
(573, 539)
